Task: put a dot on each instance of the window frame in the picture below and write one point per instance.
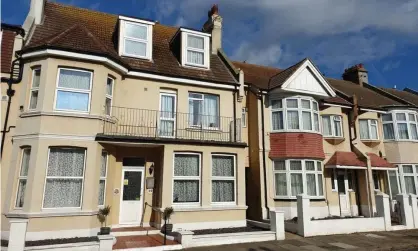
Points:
(187, 204)
(217, 127)
(104, 178)
(65, 89)
(107, 96)
(65, 177)
(185, 48)
(288, 173)
(148, 41)
(20, 177)
(224, 178)
(244, 117)
(160, 117)
(34, 89)
(369, 126)
(333, 118)
(402, 175)
(314, 110)
(395, 122)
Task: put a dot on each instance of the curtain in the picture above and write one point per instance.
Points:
(186, 165)
(63, 193)
(409, 184)
(66, 162)
(103, 165)
(277, 120)
(401, 116)
(316, 122)
(337, 128)
(72, 101)
(195, 42)
(296, 165)
(326, 124)
(281, 184)
(36, 78)
(310, 165)
(306, 121)
(109, 86)
(386, 117)
(296, 183)
(167, 115)
(210, 111)
(276, 104)
(186, 191)
(101, 192)
(320, 185)
(292, 103)
(364, 129)
(33, 99)
(388, 132)
(223, 191)
(393, 183)
(223, 166)
(136, 31)
(108, 106)
(403, 131)
(292, 119)
(25, 162)
(21, 193)
(74, 79)
(306, 104)
(195, 57)
(279, 165)
(414, 132)
(195, 111)
(135, 47)
(373, 129)
(311, 184)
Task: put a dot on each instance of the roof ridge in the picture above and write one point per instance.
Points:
(257, 65)
(290, 69)
(384, 93)
(81, 8)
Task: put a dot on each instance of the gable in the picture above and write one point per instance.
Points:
(307, 79)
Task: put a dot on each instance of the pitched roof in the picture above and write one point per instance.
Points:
(81, 30)
(279, 79)
(346, 159)
(405, 95)
(377, 161)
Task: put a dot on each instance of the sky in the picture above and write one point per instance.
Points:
(335, 34)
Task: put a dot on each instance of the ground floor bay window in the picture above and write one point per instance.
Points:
(293, 177)
(409, 178)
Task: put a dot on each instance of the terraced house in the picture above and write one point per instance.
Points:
(331, 139)
(126, 112)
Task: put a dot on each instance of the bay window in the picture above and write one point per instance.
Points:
(223, 178)
(295, 114)
(400, 125)
(34, 91)
(23, 176)
(368, 129)
(109, 95)
(293, 177)
(186, 181)
(103, 175)
(64, 178)
(332, 126)
(73, 90)
(203, 110)
(409, 177)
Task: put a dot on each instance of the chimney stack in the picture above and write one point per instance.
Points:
(357, 74)
(214, 26)
(35, 14)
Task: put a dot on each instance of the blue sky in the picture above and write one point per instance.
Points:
(382, 34)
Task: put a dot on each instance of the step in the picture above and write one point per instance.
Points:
(134, 231)
(148, 242)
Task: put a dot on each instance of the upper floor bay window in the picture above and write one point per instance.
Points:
(195, 51)
(295, 114)
(332, 126)
(135, 39)
(203, 110)
(109, 95)
(34, 91)
(293, 177)
(400, 125)
(368, 129)
(64, 177)
(23, 176)
(73, 91)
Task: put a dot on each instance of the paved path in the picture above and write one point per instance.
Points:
(394, 240)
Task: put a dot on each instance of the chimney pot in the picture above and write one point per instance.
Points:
(357, 74)
(214, 10)
(214, 26)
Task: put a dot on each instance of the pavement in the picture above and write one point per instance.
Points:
(404, 240)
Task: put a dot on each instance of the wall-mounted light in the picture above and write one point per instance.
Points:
(151, 168)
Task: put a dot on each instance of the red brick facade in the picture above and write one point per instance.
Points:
(296, 145)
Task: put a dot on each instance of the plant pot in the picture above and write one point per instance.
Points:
(104, 230)
(167, 229)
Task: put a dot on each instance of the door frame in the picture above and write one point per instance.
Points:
(174, 119)
(346, 188)
(131, 169)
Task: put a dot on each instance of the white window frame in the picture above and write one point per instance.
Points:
(314, 110)
(288, 173)
(184, 38)
(199, 178)
(333, 118)
(408, 122)
(414, 174)
(65, 89)
(20, 177)
(64, 177)
(34, 89)
(148, 41)
(109, 96)
(104, 178)
(224, 178)
(369, 127)
(203, 99)
(174, 119)
(244, 117)
(398, 183)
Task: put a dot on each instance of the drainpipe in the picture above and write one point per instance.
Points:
(234, 105)
(264, 155)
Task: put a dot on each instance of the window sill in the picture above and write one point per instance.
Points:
(208, 129)
(28, 114)
(399, 140)
(370, 140)
(294, 131)
(196, 67)
(178, 208)
(49, 213)
(295, 199)
(334, 140)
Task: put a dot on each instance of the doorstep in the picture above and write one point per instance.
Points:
(134, 231)
(145, 242)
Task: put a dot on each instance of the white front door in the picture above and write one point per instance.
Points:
(131, 205)
(343, 193)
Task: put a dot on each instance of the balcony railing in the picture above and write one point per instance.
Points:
(144, 123)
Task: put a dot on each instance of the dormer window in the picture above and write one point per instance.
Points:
(195, 51)
(135, 38)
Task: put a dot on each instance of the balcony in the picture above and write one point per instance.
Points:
(137, 125)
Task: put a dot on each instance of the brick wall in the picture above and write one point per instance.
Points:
(7, 43)
(296, 145)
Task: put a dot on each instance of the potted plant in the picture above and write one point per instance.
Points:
(167, 228)
(103, 213)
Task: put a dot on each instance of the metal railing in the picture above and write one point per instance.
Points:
(145, 123)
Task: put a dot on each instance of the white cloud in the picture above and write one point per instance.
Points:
(391, 65)
(268, 56)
